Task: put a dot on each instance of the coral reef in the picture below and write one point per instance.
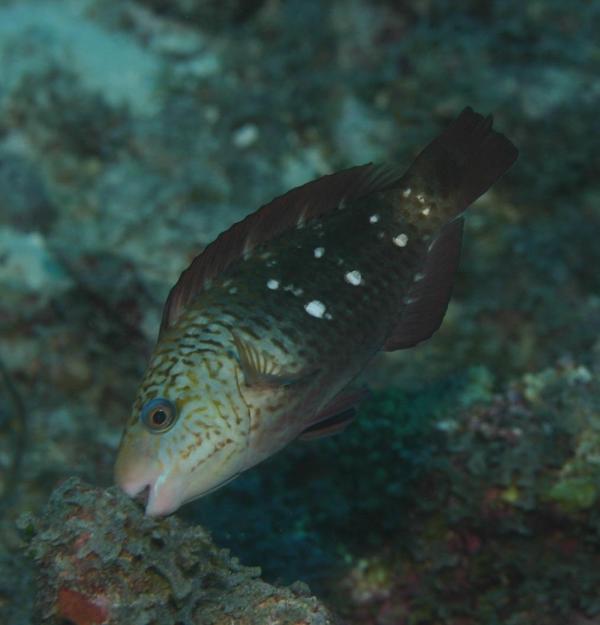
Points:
(99, 560)
(503, 525)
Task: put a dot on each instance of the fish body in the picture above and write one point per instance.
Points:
(265, 330)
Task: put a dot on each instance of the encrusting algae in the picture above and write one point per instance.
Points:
(263, 333)
(100, 562)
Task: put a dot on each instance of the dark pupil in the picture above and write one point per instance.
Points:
(159, 417)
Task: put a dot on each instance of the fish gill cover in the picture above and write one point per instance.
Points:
(132, 134)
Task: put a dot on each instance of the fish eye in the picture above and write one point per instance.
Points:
(158, 415)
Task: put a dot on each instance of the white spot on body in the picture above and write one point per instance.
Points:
(374, 219)
(421, 198)
(401, 240)
(418, 276)
(273, 284)
(233, 290)
(315, 308)
(426, 211)
(295, 290)
(353, 277)
(407, 192)
(319, 251)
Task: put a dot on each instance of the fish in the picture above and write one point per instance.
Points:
(263, 335)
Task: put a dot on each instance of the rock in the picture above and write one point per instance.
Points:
(28, 266)
(101, 561)
(34, 35)
(24, 201)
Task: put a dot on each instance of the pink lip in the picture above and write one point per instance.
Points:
(164, 496)
(135, 478)
(162, 501)
(159, 499)
(160, 495)
(133, 489)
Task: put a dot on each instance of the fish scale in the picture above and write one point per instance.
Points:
(347, 247)
(360, 314)
(264, 332)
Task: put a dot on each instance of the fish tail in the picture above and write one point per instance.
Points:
(456, 168)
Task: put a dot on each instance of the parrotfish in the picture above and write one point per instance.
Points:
(266, 330)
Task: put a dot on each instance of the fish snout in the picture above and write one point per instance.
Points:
(164, 497)
(149, 480)
(131, 476)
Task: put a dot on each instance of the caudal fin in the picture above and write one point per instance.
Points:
(462, 163)
(449, 174)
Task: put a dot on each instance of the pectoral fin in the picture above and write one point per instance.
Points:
(262, 371)
(336, 416)
(329, 427)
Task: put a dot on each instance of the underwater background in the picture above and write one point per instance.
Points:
(133, 132)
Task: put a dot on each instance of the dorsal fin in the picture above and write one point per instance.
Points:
(306, 202)
(430, 295)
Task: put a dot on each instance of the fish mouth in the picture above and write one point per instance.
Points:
(161, 488)
(143, 496)
(139, 492)
(162, 501)
(161, 493)
(146, 486)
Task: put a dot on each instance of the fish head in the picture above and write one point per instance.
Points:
(187, 434)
